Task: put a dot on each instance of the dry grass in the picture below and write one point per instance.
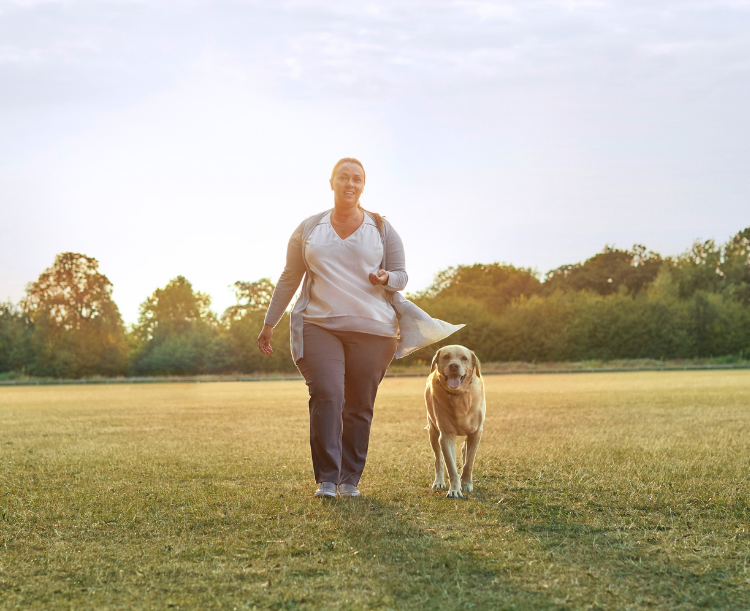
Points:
(604, 491)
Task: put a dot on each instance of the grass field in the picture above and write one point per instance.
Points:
(593, 491)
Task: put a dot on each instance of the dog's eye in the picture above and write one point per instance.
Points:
(463, 358)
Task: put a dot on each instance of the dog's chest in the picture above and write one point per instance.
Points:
(459, 412)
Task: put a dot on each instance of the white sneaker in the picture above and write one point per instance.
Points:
(326, 490)
(348, 490)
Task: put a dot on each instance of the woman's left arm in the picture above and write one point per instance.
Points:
(395, 261)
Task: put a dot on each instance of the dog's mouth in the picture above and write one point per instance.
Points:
(454, 381)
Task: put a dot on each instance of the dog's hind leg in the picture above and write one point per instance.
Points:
(448, 445)
(470, 451)
(439, 482)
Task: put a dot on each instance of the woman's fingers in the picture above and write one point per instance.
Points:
(380, 278)
(264, 340)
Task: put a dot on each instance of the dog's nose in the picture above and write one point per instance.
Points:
(453, 366)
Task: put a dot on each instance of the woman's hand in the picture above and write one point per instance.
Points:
(264, 340)
(380, 278)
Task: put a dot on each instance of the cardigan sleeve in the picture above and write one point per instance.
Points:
(290, 278)
(395, 261)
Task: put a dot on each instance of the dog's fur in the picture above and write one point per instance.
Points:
(455, 407)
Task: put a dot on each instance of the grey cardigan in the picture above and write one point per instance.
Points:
(416, 328)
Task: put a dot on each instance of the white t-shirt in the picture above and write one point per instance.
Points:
(341, 295)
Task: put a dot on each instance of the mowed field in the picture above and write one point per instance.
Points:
(592, 491)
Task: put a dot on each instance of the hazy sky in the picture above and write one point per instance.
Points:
(168, 137)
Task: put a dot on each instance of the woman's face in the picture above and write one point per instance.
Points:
(348, 183)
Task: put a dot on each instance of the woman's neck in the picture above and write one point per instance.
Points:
(345, 213)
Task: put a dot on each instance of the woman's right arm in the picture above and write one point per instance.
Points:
(287, 285)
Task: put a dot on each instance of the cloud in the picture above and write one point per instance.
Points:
(384, 49)
(148, 133)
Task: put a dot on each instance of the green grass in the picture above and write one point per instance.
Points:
(593, 491)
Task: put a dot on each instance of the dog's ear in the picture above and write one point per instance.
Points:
(477, 365)
(435, 360)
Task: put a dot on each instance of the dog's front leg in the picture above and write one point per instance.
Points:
(439, 482)
(470, 451)
(448, 445)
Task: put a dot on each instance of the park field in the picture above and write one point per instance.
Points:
(592, 491)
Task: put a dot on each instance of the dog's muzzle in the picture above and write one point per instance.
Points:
(454, 380)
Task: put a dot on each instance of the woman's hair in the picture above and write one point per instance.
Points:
(376, 217)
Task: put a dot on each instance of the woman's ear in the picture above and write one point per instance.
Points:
(477, 365)
(435, 360)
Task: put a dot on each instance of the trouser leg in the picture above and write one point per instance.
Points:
(366, 360)
(323, 370)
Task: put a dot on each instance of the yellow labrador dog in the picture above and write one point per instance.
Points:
(455, 406)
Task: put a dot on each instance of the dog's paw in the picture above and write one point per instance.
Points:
(454, 494)
(467, 486)
(437, 485)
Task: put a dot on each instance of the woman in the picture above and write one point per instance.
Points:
(344, 326)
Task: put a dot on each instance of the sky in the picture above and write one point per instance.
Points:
(175, 137)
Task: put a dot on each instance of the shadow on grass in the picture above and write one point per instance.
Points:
(240, 547)
(605, 556)
(422, 551)
(374, 557)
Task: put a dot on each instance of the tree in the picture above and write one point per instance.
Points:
(78, 330)
(607, 271)
(252, 297)
(698, 269)
(735, 266)
(495, 285)
(242, 323)
(177, 333)
(16, 331)
(646, 266)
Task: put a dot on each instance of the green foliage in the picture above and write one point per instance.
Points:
(619, 304)
(495, 284)
(480, 333)
(16, 332)
(698, 269)
(606, 272)
(242, 324)
(735, 267)
(177, 333)
(77, 328)
(252, 298)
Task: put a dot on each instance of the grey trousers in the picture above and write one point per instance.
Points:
(342, 370)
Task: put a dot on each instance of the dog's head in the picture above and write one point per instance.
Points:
(455, 365)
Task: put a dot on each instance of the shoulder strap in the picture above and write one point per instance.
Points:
(382, 231)
(310, 224)
(312, 221)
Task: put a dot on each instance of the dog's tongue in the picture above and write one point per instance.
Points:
(454, 382)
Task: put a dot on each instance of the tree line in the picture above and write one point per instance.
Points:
(617, 304)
